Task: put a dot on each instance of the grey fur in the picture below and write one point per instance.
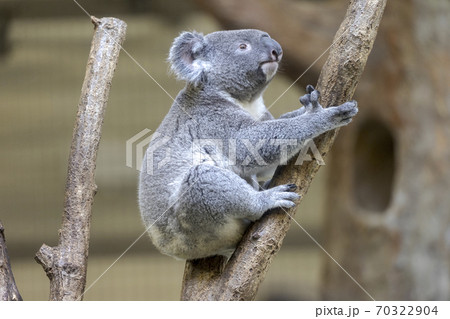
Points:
(197, 191)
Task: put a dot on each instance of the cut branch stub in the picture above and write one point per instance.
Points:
(66, 264)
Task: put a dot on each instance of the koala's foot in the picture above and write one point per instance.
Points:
(279, 196)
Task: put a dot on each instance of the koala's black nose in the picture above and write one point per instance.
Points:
(274, 48)
(277, 54)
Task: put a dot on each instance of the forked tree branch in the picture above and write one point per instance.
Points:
(239, 279)
(66, 264)
(8, 287)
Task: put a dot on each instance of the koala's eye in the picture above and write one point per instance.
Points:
(243, 46)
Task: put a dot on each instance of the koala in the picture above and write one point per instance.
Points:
(198, 189)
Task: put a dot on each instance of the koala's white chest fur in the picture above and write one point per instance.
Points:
(255, 108)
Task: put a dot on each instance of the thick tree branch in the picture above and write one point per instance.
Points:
(66, 264)
(8, 288)
(242, 275)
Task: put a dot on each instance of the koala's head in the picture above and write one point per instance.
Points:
(239, 62)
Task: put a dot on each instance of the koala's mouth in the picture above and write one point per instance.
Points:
(269, 68)
(269, 64)
(270, 61)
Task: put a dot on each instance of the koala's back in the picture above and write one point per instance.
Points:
(166, 177)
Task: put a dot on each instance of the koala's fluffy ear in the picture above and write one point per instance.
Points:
(185, 57)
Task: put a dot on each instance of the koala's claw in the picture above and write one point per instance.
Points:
(291, 187)
(309, 89)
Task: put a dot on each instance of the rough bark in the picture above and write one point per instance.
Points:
(66, 264)
(388, 221)
(242, 275)
(8, 287)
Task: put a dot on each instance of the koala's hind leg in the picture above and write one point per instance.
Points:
(212, 195)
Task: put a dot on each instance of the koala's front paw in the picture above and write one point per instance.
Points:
(342, 115)
(280, 196)
(311, 100)
(336, 115)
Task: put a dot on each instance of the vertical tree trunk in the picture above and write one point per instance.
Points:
(66, 264)
(388, 216)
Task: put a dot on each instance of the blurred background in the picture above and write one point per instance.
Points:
(379, 206)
